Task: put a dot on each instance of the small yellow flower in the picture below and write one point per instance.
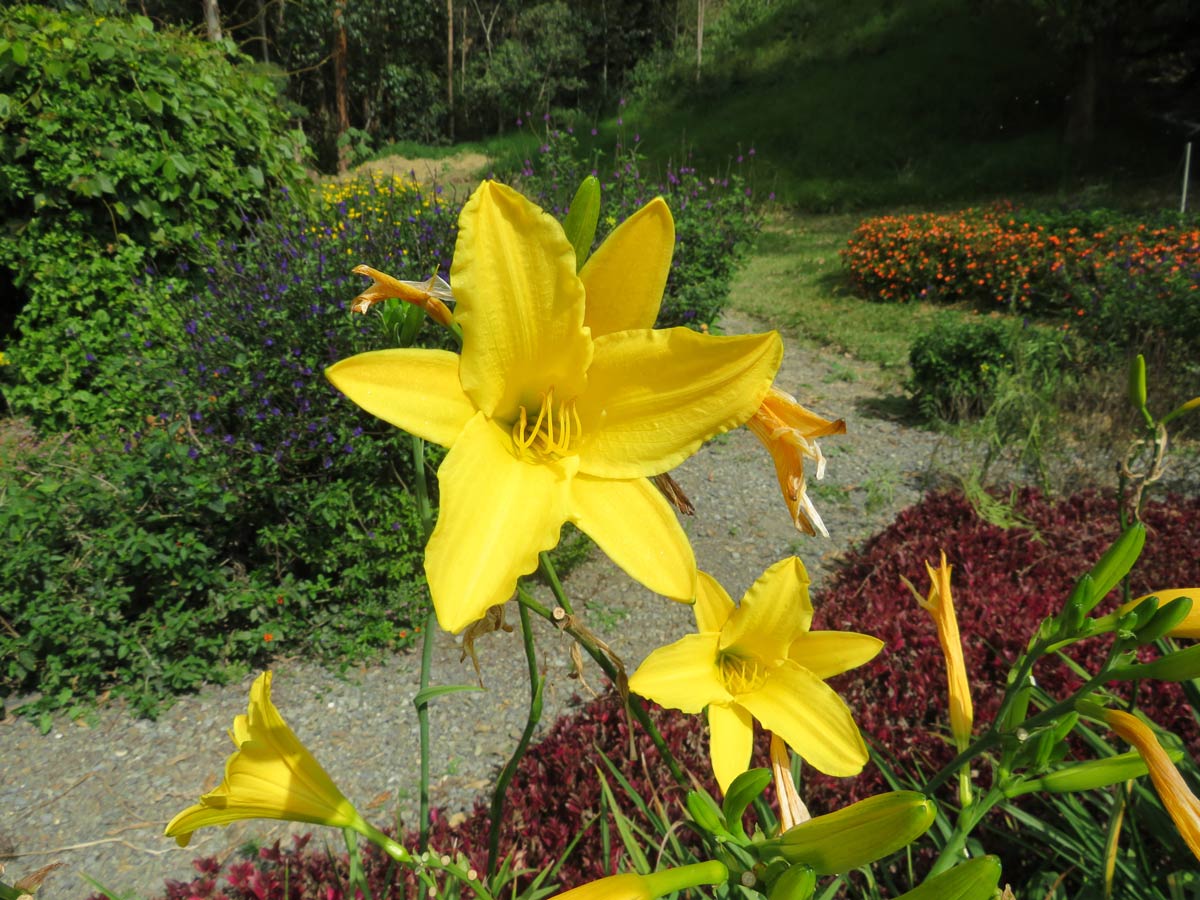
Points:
(1181, 804)
(789, 432)
(270, 776)
(759, 661)
(940, 606)
(3, 359)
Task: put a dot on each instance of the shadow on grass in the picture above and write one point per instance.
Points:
(893, 408)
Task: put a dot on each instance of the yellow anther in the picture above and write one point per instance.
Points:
(544, 438)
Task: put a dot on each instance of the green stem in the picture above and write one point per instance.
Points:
(635, 704)
(968, 818)
(536, 683)
(556, 588)
(426, 512)
(358, 878)
(427, 860)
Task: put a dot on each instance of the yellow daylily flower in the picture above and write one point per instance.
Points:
(562, 403)
(940, 606)
(429, 295)
(270, 776)
(1189, 627)
(759, 660)
(1181, 804)
(789, 432)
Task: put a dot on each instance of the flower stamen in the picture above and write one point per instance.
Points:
(741, 675)
(543, 438)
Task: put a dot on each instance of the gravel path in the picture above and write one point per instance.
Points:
(97, 797)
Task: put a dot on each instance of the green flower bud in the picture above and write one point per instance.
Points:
(580, 224)
(1137, 383)
(857, 835)
(1183, 665)
(706, 813)
(741, 794)
(975, 879)
(797, 883)
(1086, 776)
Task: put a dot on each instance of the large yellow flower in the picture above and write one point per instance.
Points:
(562, 403)
(759, 660)
(270, 776)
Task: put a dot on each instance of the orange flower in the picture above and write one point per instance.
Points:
(1182, 805)
(789, 433)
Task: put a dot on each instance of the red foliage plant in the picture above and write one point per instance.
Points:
(1005, 582)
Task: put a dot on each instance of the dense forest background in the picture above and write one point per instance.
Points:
(358, 75)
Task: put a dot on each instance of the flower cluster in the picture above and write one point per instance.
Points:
(999, 254)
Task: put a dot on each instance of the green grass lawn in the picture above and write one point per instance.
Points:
(794, 280)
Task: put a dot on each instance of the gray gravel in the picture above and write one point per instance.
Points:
(97, 797)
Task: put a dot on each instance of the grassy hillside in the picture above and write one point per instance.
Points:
(857, 103)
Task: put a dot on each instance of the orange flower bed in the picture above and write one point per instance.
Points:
(1002, 255)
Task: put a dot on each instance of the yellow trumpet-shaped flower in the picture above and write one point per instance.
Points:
(940, 606)
(1181, 804)
(429, 295)
(758, 660)
(270, 776)
(562, 404)
(789, 432)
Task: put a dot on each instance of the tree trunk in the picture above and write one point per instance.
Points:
(450, 65)
(212, 19)
(699, 36)
(1085, 98)
(339, 84)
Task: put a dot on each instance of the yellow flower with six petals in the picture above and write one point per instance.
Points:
(270, 776)
(759, 660)
(562, 403)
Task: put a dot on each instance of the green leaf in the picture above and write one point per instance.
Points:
(20, 53)
(153, 101)
(256, 176)
(434, 691)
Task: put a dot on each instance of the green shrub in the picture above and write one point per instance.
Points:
(120, 144)
(957, 365)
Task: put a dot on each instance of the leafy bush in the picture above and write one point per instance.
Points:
(716, 220)
(120, 144)
(957, 364)
(234, 476)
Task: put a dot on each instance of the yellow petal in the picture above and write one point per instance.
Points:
(417, 390)
(519, 302)
(775, 611)
(682, 675)
(1181, 804)
(829, 653)
(813, 720)
(730, 742)
(654, 396)
(497, 513)
(626, 275)
(636, 527)
(713, 605)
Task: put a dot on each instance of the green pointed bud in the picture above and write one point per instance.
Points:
(1115, 564)
(705, 812)
(1052, 737)
(580, 224)
(1015, 714)
(796, 883)
(742, 792)
(975, 879)
(1137, 382)
(1183, 665)
(1194, 403)
(1087, 776)
(669, 881)
(1164, 619)
(857, 835)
